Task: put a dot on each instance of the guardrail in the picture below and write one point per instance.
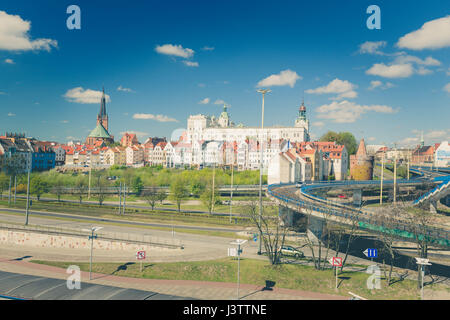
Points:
(437, 235)
(102, 235)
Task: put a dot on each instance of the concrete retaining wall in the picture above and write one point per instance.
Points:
(41, 240)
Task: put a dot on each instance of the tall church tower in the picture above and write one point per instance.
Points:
(102, 117)
(301, 120)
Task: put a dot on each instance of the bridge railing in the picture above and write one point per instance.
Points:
(359, 215)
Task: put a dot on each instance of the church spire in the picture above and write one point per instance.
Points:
(103, 105)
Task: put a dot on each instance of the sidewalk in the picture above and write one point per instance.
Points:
(187, 288)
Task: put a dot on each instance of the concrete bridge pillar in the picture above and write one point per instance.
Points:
(315, 229)
(433, 206)
(286, 215)
(357, 197)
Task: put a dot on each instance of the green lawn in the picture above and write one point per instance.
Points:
(290, 276)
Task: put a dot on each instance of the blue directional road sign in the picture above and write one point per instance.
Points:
(371, 253)
(255, 237)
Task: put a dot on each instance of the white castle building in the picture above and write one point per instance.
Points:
(202, 127)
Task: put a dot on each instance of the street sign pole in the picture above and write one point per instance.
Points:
(422, 262)
(336, 268)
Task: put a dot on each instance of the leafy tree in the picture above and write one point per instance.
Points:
(137, 185)
(59, 187)
(207, 197)
(178, 191)
(197, 188)
(80, 187)
(39, 186)
(4, 183)
(342, 138)
(162, 195)
(100, 187)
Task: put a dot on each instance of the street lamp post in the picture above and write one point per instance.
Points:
(231, 189)
(381, 183)
(27, 210)
(263, 91)
(238, 242)
(91, 237)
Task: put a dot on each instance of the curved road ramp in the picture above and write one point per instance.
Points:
(26, 287)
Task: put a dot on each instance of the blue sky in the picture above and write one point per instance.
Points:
(385, 85)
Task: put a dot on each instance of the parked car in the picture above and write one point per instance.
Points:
(291, 252)
(342, 196)
(226, 202)
(299, 184)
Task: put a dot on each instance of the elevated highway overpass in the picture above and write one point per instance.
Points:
(304, 200)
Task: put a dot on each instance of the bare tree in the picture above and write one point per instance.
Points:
(420, 222)
(151, 195)
(272, 230)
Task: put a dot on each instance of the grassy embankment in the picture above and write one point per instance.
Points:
(290, 276)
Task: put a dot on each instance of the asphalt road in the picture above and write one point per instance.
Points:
(124, 222)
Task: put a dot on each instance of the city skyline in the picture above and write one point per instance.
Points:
(159, 66)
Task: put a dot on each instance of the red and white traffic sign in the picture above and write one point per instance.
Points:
(335, 261)
(140, 255)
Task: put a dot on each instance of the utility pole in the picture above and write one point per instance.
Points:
(263, 91)
(213, 183)
(395, 178)
(231, 189)
(9, 197)
(89, 188)
(120, 197)
(28, 191)
(381, 183)
(15, 188)
(91, 237)
(125, 190)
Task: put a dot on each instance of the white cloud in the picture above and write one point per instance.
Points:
(64, 121)
(120, 88)
(2, 93)
(348, 112)
(10, 114)
(202, 85)
(79, 95)
(206, 48)
(219, 101)
(375, 84)
(204, 101)
(408, 141)
(404, 59)
(372, 139)
(344, 88)
(14, 35)
(190, 63)
(447, 87)
(434, 34)
(284, 78)
(391, 71)
(379, 84)
(137, 133)
(372, 47)
(72, 138)
(448, 72)
(318, 124)
(175, 50)
(158, 117)
(423, 71)
(9, 61)
(435, 134)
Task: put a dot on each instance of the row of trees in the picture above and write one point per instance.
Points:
(334, 234)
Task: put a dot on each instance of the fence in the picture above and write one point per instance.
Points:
(102, 235)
